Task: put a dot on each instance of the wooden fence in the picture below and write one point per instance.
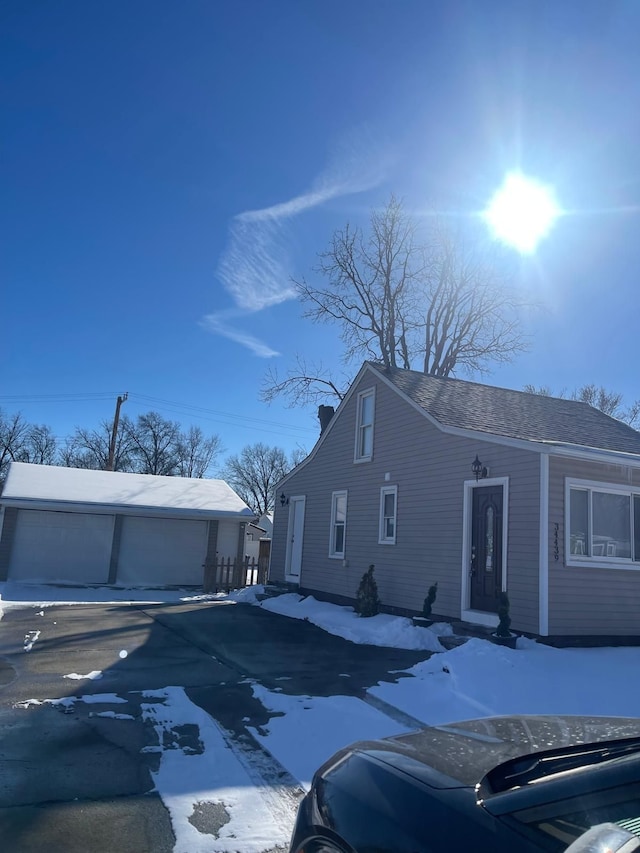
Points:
(231, 573)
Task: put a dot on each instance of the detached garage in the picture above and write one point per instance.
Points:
(71, 525)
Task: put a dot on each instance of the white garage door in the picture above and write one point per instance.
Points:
(61, 546)
(159, 551)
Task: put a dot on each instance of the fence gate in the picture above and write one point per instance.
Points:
(230, 573)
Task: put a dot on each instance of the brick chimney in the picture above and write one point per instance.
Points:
(325, 413)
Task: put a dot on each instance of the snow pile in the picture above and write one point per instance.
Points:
(480, 679)
(248, 595)
(380, 630)
(92, 676)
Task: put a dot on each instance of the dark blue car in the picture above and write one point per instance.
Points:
(493, 785)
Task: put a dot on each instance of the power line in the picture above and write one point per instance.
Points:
(58, 398)
(200, 412)
(219, 413)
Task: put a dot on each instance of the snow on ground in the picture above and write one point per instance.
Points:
(13, 594)
(92, 676)
(69, 701)
(29, 639)
(312, 728)
(206, 782)
(380, 630)
(481, 679)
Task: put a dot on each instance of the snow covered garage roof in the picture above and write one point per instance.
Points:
(28, 485)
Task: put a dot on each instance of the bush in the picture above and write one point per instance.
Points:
(429, 600)
(503, 614)
(367, 601)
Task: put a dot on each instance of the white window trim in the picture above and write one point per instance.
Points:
(382, 539)
(477, 617)
(368, 392)
(599, 561)
(335, 555)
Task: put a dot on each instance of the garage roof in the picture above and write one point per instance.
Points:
(27, 483)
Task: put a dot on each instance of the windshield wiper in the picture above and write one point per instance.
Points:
(529, 769)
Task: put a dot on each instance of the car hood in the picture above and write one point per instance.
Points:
(461, 754)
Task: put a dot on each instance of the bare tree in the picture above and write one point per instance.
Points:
(439, 302)
(89, 448)
(197, 454)
(14, 431)
(304, 384)
(540, 390)
(40, 446)
(254, 474)
(155, 444)
(149, 445)
(610, 402)
(471, 315)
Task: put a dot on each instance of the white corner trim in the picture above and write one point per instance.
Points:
(543, 567)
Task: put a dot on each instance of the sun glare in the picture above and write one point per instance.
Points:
(522, 212)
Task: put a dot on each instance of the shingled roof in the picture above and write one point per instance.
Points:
(513, 414)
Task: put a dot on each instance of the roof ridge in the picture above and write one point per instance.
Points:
(381, 368)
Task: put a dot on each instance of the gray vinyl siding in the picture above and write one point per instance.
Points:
(429, 468)
(593, 600)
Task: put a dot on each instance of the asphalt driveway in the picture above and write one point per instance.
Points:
(73, 777)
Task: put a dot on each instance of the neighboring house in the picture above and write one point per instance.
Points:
(75, 525)
(266, 523)
(253, 537)
(554, 518)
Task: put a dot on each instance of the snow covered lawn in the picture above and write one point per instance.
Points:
(476, 679)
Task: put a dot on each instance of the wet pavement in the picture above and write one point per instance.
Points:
(75, 781)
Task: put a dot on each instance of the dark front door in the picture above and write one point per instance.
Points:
(486, 548)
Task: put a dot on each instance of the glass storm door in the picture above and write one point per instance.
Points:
(486, 548)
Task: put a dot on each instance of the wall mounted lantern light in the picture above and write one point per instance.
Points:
(284, 500)
(479, 470)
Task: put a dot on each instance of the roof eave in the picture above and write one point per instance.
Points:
(122, 509)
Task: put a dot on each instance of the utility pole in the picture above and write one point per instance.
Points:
(114, 431)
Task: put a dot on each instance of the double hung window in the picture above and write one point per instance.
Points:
(388, 515)
(364, 426)
(338, 524)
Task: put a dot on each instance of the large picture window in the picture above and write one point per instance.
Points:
(603, 524)
(338, 524)
(388, 514)
(364, 426)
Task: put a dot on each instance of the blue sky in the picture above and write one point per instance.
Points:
(144, 141)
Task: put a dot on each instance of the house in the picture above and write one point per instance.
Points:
(253, 537)
(74, 525)
(481, 489)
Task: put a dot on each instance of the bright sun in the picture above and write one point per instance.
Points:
(522, 212)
